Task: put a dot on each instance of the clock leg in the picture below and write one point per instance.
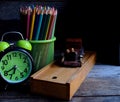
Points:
(3, 85)
(6, 87)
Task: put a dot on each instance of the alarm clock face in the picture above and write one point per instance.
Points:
(15, 66)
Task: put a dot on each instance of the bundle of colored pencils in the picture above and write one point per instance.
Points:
(39, 22)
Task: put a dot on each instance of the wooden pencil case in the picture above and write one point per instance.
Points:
(61, 82)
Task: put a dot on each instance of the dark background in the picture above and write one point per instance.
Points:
(97, 23)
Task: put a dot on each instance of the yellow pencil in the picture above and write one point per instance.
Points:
(32, 24)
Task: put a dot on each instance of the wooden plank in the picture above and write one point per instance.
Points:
(63, 79)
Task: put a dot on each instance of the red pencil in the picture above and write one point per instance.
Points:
(29, 10)
(52, 24)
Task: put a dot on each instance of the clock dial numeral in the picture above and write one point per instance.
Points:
(25, 70)
(8, 57)
(25, 59)
(5, 73)
(14, 54)
(21, 75)
(20, 55)
(2, 67)
(16, 78)
(10, 76)
(5, 62)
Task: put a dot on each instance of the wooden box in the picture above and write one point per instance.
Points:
(73, 42)
(61, 82)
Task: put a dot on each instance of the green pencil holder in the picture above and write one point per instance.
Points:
(42, 52)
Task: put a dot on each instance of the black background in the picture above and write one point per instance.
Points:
(96, 22)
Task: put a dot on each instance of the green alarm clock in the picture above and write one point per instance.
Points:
(16, 63)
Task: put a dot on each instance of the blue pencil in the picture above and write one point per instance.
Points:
(38, 33)
(43, 24)
(46, 24)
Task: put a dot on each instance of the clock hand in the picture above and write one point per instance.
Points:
(19, 69)
(10, 69)
(14, 70)
(15, 67)
(6, 72)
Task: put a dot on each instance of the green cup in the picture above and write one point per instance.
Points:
(42, 52)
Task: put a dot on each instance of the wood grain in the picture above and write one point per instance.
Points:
(61, 82)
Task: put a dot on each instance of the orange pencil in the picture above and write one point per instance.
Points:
(49, 22)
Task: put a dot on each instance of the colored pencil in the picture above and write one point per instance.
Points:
(48, 25)
(40, 18)
(54, 25)
(32, 23)
(40, 22)
(28, 22)
(53, 20)
(43, 24)
(35, 25)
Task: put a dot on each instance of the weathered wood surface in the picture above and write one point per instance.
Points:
(101, 85)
